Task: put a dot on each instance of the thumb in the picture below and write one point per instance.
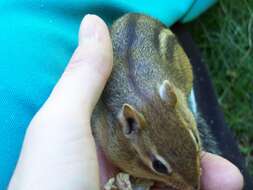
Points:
(58, 143)
(88, 70)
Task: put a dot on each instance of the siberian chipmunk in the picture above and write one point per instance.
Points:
(143, 121)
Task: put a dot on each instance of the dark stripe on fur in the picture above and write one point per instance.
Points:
(131, 37)
(171, 43)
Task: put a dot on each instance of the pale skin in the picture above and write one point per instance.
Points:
(59, 151)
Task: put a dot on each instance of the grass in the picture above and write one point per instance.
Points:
(225, 36)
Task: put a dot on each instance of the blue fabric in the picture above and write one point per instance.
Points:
(37, 38)
(197, 8)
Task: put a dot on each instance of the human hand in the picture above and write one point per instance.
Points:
(59, 151)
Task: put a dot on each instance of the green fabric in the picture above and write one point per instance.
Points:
(37, 38)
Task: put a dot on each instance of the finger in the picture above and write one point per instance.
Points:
(85, 76)
(219, 174)
(59, 134)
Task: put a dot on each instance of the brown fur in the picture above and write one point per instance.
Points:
(146, 54)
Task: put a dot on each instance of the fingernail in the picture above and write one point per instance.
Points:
(88, 28)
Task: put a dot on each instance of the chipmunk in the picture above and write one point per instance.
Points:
(143, 122)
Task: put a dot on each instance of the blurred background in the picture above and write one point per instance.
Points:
(224, 35)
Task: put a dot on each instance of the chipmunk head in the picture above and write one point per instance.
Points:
(164, 138)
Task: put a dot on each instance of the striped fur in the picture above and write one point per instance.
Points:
(146, 53)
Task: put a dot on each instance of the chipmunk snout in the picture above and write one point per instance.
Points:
(196, 187)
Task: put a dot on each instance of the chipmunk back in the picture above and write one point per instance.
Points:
(143, 122)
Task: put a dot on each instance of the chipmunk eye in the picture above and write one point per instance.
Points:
(159, 167)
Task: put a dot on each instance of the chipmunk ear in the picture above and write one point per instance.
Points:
(167, 93)
(131, 120)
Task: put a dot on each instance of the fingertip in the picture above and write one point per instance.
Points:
(94, 45)
(93, 27)
(84, 78)
(219, 173)
(95, 42)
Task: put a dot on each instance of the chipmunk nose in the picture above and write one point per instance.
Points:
(196, 187)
